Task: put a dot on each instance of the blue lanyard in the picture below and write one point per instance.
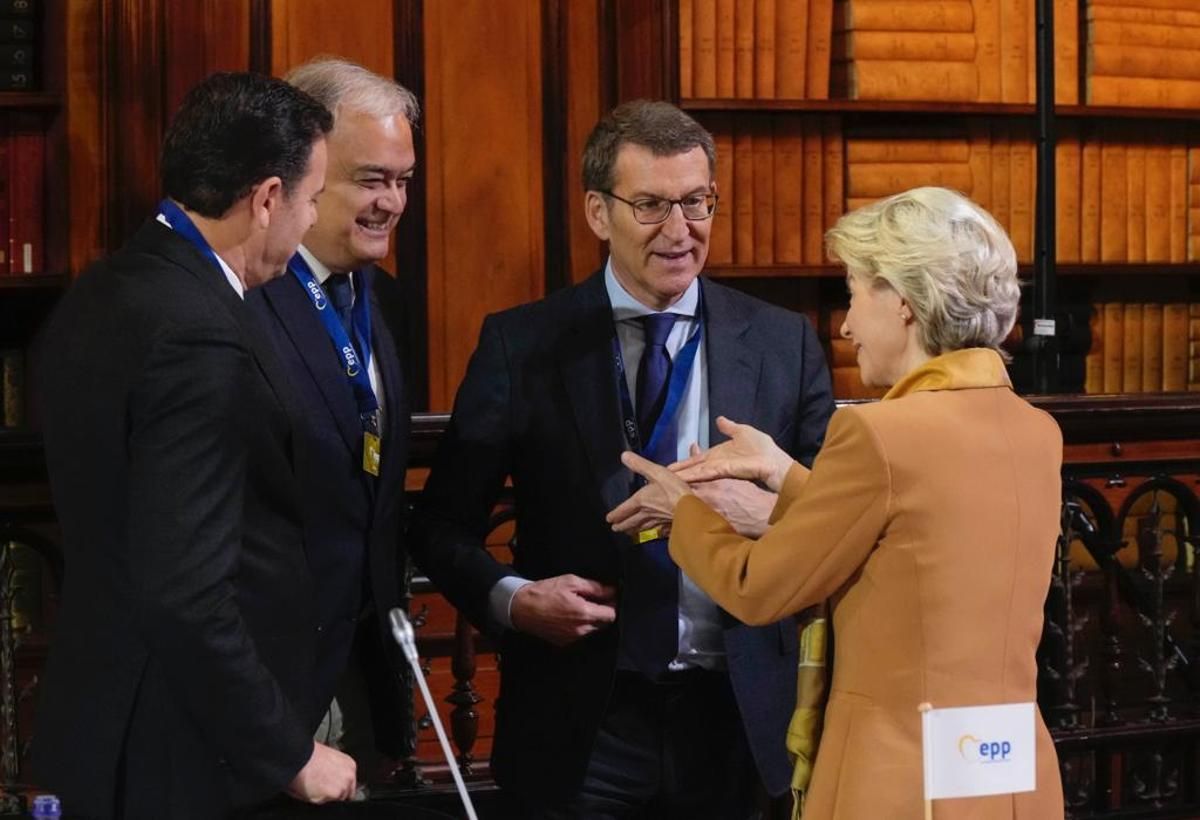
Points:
(182, 224)
(360, 322)
(681, 371)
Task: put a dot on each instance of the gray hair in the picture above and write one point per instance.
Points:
(946, 256)
(340, 84)
(653, 124)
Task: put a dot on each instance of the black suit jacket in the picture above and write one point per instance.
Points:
(180, 671)
(540, 404)
(353, 522)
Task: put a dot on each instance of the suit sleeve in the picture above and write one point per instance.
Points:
(187, 457)
(828, 523)
(816, 399)
(473, 460)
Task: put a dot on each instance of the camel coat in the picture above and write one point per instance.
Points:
(929, 520)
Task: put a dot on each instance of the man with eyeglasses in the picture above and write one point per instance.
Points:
(625, 691)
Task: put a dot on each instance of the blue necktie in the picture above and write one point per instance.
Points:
(650, 596)
(341, 296)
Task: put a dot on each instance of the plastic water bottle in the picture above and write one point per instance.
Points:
(46, 807)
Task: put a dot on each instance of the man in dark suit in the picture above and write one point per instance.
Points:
(356, 506)
(671, 711)
(180, 678)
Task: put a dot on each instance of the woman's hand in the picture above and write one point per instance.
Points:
(652, 505)
(749, 454)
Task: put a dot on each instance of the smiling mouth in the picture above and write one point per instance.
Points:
(375, 226)
(673, 256)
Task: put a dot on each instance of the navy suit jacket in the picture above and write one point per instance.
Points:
(353, 523)
(540, 403)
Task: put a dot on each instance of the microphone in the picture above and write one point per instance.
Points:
(402, 631)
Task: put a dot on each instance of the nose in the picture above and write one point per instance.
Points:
(676, 225)
(845, 330)
(393, 199)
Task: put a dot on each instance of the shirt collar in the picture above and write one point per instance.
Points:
(234, 282)
(315, 265)
(625, 307)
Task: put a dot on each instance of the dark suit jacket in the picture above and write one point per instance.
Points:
(180, 671)
(540, 404)
(353, 522)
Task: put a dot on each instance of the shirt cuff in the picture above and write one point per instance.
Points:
(501, 597)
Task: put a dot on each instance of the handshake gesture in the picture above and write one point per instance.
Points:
(726, 477)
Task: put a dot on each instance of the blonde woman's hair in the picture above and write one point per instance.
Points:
(946, 256)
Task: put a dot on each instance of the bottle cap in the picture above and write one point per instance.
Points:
(46, 805)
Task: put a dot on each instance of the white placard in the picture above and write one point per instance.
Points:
(978, 750)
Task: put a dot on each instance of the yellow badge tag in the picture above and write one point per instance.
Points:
(371, 453)
(651, 534)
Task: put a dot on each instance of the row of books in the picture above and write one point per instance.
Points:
(18, 45)
(12, 388)
(780, 183)
(958, 50)
(1144, 54)
(754, 49)
(22, 193)
(1146, 347)
(992, 163)
(1123, 197)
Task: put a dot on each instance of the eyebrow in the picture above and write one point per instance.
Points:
(383, 170)
(649, 195)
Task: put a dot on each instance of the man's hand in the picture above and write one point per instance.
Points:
(328, 775)
(749, 454)
(745, 505)
(563, 609)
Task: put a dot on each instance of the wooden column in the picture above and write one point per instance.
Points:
(483, 138)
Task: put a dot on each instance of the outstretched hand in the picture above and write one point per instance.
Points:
(652, 505)
(749, 453)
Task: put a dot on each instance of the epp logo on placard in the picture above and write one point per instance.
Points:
(974, 750)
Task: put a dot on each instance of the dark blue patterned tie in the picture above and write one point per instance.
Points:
(650, 599)
(341, 296)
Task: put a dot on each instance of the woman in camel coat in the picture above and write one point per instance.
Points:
(928, 520)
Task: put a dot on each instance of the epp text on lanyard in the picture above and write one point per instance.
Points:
(356, 353)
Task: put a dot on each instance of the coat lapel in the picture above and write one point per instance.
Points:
(590, 376)
(163, 241)
(306, 333)
(395, 398)
(734, 367)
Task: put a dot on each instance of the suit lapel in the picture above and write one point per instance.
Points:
(386, 358)
(734, 367)
(590, 376)
(295, 311)
(162, 240)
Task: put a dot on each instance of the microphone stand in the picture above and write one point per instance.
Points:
(402, 631)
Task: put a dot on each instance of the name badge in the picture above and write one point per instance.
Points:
(371, 453)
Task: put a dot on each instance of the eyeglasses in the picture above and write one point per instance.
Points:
(652, 210)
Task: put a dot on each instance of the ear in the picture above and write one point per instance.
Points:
(265, 199)
(595, 208)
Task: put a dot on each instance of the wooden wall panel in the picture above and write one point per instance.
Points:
(81, 171)
(201, 37)
(586, 101)
(361, 31)
(133, 112)
(484, 159)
